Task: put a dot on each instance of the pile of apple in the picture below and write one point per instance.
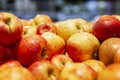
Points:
(73, 49)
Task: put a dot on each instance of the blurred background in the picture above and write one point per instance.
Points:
(61, 9)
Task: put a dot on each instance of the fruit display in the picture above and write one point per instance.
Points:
(72, 49)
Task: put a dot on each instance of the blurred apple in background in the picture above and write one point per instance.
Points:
(40, 18)
(105, 27)
(44, 70)
(69, 27)
(108, 49)
(16, 73)
(82, 46)
(56, 44)
(30, 49)
(10, 29)
(112, 72)
(60, 61)
(46, 27)
(97, 65)
(78, 71)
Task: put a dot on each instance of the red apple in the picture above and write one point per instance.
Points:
(97, 65)
(78, 71)
(46, 27)
(44, 70)
(16, 73)
(82, 46)
(112, 72)
(106, 27)
(108, 49)
(31, 49)
(60, 61)
(56, 44)
(10, 29)
(40, 18)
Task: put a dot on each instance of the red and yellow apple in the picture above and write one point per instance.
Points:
(40, 18)
(56, 44)
(30, 49)
(44, 70)
(78, 71)
(60, 61)
(108, 49)
(97, 65)
(10, 29)
(105, 27)
(46, 27)
(82, 46)
(71, 26)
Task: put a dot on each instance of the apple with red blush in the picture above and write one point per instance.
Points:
(10, 29)
(105, 27)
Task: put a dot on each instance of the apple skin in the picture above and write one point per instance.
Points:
(40, 18)
(44, 70)
(16, 73)
(97, 65)
(56, 44)
(82, 46)
(106, 27)
(71, 26)
(10, 29)
(10, 63)
(108, 49)
(111, 72)
(78, 71)
(46, 27)
(117, 56)
(30, 49)
(60, 61)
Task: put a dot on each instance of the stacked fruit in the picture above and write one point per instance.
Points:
(73, 49)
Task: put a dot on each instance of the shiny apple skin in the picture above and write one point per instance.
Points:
(44, 70)
(10, 29)
(82, 46)
(78, 71)
(106, 27)
(46, 27)
(30, 49)
(108, 49)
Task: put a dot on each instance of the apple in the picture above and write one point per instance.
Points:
(60, 61)
(10, 29)
(82, 46)
(78, 71)
(69, 27)
(56, 44)
(16, 73)
(40, 18)
(44, 70)
(46, 27)
(106, 27)
(116, 57)
(108, 49)
(25, 22)
(97, 65)
(9, 63)
(117, 16)
(28, 30)
(111, 72)
(30, 49)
